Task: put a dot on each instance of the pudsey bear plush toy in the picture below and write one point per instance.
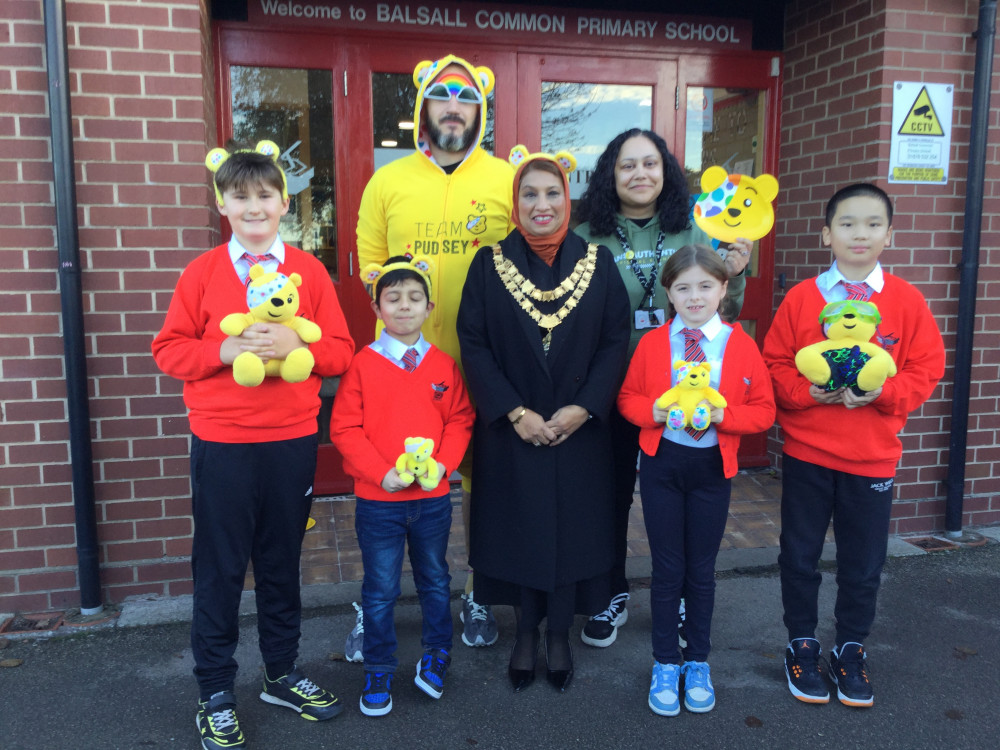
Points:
(691, 390)
(416, 462)
(735, 205)
(272, 298)
(847, 358)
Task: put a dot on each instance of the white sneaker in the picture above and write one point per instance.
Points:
(356, 638)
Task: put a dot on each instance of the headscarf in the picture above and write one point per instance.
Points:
(544, 247)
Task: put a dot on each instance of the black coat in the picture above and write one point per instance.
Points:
(542, 516)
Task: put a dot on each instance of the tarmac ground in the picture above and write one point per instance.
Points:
(933, 659)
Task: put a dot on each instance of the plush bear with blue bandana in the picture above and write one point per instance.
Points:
(272, 298)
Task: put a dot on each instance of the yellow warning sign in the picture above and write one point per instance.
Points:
(921, 119)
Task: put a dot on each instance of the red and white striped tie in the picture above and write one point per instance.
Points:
(410, 359)
(860, 290)
(693, 353)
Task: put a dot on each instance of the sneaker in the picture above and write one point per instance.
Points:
(431, 670)
(805, 679)
(217, 722)
(850, 673)
(479, 624)
(682, 639)
(699, 695)
(601, 630)
(664, 696)
(356, 638)
(299, 693)
(376, 698)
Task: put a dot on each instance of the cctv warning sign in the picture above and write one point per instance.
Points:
(921, 133)
(922, 119)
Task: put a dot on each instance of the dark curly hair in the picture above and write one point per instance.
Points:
(599, 204)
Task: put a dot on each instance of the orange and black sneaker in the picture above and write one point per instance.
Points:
(805, 678)
(217, 723)
(850, 672)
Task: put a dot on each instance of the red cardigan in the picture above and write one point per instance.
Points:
(744, 382)
(187, 348)
(861, 441)
(379, 405)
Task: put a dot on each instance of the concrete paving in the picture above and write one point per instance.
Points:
(933, 659)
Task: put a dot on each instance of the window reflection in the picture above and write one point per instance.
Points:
(294, 108)
(582, 118)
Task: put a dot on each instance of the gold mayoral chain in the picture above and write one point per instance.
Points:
(523, 290)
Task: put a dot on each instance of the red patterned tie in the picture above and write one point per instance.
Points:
(859, 290)
(410, 359)
(253, 260)
(693, 353)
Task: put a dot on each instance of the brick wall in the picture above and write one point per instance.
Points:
(841, 60)
(142, 97)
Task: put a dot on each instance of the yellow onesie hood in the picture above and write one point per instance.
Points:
(426, 73)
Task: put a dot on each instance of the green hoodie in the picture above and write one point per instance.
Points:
(642, 242)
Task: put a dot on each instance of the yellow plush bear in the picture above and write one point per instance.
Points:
(272, 298)
(691, 390)
(416, 462)
(847, 358)
(735, 205)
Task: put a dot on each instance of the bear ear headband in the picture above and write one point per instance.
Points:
(217, 156)
(519, 155)
(371, 273)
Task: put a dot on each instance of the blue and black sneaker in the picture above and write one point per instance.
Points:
(376, 698)
(431, 671)
(805, 680)
(850, 672)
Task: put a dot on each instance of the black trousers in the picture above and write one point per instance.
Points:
(624, 453)
(250, 503)
(860, 508)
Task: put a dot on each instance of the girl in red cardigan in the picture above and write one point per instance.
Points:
(685, 475)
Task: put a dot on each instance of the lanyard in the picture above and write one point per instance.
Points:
(648, 285)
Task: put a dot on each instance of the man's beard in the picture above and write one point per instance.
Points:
(452, 142)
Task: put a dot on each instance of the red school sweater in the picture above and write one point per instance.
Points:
(744, 383)
(379, 405)
(863, 441)
(187, 348)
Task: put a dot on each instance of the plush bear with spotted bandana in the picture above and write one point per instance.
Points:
(272, 298)
(735, 205)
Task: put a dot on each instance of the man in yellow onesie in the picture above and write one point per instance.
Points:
(444, 201)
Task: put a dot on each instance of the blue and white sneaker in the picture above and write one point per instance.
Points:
(699, 695)
(376, 698)
(479, 626)
(431, 670)
(664, 696)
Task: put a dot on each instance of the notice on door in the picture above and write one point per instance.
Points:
(921, 133)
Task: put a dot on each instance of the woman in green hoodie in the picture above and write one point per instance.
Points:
(637, 204)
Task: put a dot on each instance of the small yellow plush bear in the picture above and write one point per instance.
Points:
(272, 298)
(848, 358)
(691, 390)
(416, 462)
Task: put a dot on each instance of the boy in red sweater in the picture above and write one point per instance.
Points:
(399, 387)
(841, 447)
(253, 450)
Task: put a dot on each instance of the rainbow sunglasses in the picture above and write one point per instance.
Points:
(455, 85)
(834, 311)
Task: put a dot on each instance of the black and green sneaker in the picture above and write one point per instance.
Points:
(217, 723)
(298, 692)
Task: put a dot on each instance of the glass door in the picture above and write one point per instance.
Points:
(729, 118)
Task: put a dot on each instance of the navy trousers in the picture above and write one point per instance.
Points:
(685, 505)
(860, 508)
(250, 503)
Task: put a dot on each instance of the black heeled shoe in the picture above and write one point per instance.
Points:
(520, 679)
(559, 678)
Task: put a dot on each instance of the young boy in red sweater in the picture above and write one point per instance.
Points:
(401, 387)
(841, 447)
(253, 450)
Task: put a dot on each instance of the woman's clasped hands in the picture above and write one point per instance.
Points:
(533, 428)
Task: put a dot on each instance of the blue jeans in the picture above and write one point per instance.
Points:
(384, 528)
(685, 505)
